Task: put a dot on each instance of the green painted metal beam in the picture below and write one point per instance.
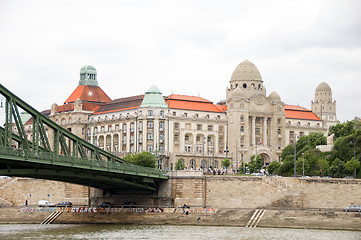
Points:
(41, 155)
(86, 179)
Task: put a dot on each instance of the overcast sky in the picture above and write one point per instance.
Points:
(183, 47)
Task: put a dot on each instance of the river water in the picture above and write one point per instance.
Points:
(166, 232)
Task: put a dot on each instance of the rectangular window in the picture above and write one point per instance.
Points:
(150, 148)
(176, 126)
(187, 148)
(161, 148)
(150, 136)
(210, 127)
(150, 124)
(199, 126)
(186, 138)
(176, 138)
(161, 126)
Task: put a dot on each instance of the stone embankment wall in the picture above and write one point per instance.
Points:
(221, 217)
(195, 189)
(262, 192)
(15, 191)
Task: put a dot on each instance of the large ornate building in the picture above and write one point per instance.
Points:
(193, 129)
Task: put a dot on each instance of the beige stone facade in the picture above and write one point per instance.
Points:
(247, 123)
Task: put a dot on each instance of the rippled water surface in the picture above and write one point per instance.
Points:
(99, 231)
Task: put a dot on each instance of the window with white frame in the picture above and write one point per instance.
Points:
(161, 125)
(150, 136)
(150, 148)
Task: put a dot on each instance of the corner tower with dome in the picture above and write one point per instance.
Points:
(323, 106)
(255, 122)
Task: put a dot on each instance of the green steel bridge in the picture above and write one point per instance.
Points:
(54, 153)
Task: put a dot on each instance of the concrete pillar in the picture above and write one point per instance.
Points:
(253, 130)
(111, 142)
(271, 132)
(265, 131)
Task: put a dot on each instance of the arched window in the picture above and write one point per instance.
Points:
(244, 85)
(204, 164)
(192, 164)
(215, 164)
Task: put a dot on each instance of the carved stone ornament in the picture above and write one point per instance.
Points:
(260, 100)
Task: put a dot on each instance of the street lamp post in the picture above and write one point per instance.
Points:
(294, 170)
(303, 165)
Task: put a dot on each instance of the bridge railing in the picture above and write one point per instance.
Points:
(92, 164)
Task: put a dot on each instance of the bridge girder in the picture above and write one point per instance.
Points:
(68, 158)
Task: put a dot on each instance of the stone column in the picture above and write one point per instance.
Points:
(253, 130)
(271, 132)
(265, 131)
(111, 142)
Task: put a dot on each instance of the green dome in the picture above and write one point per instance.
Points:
(88, 69)
(153, 98)
(88, 76)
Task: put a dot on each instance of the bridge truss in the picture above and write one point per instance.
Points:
(54, 153)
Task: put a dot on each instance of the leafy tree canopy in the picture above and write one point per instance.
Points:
(144, 159)
(179, 165)
(226, 163)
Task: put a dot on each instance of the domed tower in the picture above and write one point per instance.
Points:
(88, 76)
(246, 81)
(323, 106)
(253, 118)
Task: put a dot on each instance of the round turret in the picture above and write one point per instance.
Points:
(246, 71)
(88, 76)
(246, 81)
(323, 87)
(274, 96)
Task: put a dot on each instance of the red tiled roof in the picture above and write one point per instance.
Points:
(120, 104)
(88, 94)
(187, 98)
(193, 103)
(297, 112)
(65, 108)
(296, 108)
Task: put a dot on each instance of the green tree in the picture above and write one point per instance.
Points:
(226, 163)
(352, 165)
(179, 165)
(255, 165)
(337, 168)
(144, 159)
(273, 167)
(323, 165)
(342, 129)
(316, 138)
